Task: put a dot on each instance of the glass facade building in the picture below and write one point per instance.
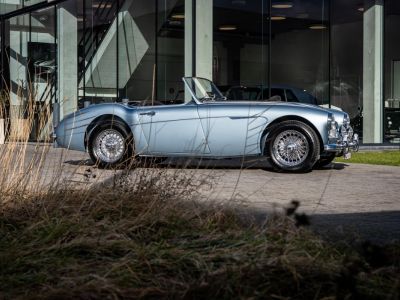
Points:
(343, 53)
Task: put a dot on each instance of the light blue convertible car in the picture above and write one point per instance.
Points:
(292, 136)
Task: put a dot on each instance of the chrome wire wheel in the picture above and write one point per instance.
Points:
(290, 148)
(109, 146)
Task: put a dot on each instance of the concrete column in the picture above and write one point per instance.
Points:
(373, 73)
(204, 38)
(188, 44)
(67, 57)
(198, 61)
(188, 37)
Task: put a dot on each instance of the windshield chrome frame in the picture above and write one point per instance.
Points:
(192, 93)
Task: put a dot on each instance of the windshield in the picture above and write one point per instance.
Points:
(203, 89)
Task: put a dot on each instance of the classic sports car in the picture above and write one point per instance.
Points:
(293, 136)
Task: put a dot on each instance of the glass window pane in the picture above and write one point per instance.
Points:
(137, 50)
(347, 65)
(300, 47)
(7, 6)
(170, 51)
(42, 54)
(98, 72)
(392, 72)
(240, 56)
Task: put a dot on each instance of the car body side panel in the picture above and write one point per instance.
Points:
(172, 129)
(232, 130)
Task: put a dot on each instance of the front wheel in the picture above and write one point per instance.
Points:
(110, 145)
(292, 146)
(325, 160)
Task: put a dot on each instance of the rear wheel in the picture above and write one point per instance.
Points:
(292, 146)
(110, 145)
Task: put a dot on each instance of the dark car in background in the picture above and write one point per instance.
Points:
(278, 93)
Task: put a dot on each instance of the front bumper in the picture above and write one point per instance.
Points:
(345, 144)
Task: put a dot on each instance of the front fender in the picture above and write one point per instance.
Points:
(72, 132)
(316, 119)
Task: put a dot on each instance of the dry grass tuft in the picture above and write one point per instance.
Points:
(113, 243)
(22, 170)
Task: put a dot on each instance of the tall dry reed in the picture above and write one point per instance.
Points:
(19, 164)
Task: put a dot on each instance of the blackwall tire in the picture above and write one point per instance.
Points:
(325, 160)
(110, 145)
(292, 146)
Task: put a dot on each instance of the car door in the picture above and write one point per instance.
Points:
(232, 129)
(172, 129)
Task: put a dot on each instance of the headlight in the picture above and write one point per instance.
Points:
(343, 131)
(346, 121)
(332, 127)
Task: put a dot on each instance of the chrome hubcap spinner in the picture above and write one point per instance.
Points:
(290, 148)
(109, 146)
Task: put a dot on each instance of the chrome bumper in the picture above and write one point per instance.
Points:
(345, 144)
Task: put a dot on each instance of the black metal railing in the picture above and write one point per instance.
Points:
(49, 93)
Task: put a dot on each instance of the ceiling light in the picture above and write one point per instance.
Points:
(178, 16)
(174, 23)
(318, 26)
(282, 5)
(278, 18)
(227, 27)
(97, 5)
(360, 9)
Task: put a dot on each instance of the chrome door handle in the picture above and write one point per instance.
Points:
(149, 113)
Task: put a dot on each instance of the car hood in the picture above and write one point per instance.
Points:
(339, 115)
(274, 103)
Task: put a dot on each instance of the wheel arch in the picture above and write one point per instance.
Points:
(100, 120)
(289, 118)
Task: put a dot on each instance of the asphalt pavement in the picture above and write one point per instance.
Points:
(343, 200)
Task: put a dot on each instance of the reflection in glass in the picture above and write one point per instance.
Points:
(136, 50)
(42, 54)
(240, 56)
(279, 53)
(17, 52)
(170, 51)
(32, 71)
(97, 48)
(300, 50)
(347, 65)
(7, 6)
